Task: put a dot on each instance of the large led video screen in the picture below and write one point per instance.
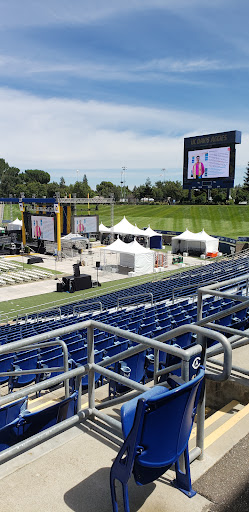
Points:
(42, 227)
(209, 163)
(85, 225)
(209, 160)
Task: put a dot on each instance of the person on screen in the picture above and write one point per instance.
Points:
(198, 169)
(81, 227)
(37, 230)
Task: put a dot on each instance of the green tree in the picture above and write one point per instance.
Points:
(10, 181)
(4, 166)
(246, 178)
(52, 188)
(81, 188)
(106, 188)
(35, 175)
(242, 194)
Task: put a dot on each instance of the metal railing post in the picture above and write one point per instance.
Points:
(90, 360)
(202, 402)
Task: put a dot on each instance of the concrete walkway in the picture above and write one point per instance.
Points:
(65, 266)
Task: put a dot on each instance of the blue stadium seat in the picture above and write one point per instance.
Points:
(29, 423)
(156, 428)
(132, 367)
(9, 412)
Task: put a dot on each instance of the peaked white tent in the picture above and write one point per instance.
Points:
(198, 243)
(16, 225)
(103, 228)
(155, 238)
(133, 256)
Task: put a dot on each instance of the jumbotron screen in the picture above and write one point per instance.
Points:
(85, 225)
(209, 160)
(42, 227)
(209, 163)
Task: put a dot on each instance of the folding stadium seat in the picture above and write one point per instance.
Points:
(156, 429)
(49, 353)
(132, 367)
(149, 362)
(29, 423)
(78, 353)
(104, 344)
(147, 330)
(10, 412)
(74, 345)
(30, 363)
(98, 356)
(162, 317)
(181, 316)
(26, 353)
(6, 365)
(116, 349)
(53, 362)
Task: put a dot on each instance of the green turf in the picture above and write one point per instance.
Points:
(224, 220)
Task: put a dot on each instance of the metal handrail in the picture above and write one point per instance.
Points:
(58, 309)
(212, 290)
(133, 296)
(193, 285)
(87, 305)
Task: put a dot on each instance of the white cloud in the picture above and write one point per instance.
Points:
(48, 12)
(168, 69)
(69, 134)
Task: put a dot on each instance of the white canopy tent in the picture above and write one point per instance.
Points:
(124, 227)
(133, 256)
(103, 228)
(201, 242)
(16, 225)
(154, 237)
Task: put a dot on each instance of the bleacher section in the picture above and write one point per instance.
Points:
(13, 273)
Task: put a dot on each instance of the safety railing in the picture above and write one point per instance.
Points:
(82, 308)
(94, 409)
(238, 338)
(133, 297)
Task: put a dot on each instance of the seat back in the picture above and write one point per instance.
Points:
(31, 423)
(6, 362)
(165, 424)
(10, 412)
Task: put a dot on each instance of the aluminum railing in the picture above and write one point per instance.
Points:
(148, 294)
(239, 338)
(78, 308)
(94, 410)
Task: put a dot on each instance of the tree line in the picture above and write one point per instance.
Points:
(36, 183)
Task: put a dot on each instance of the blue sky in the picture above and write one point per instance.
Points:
(97, 85)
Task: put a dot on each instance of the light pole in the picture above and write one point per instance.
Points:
(77, 174)
(123, 182)
(163, 170)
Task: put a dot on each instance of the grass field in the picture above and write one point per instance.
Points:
(223, 220)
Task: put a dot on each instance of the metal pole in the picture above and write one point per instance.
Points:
(90, 360)
(202, 402)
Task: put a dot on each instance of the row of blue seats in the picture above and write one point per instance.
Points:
(162, 290)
